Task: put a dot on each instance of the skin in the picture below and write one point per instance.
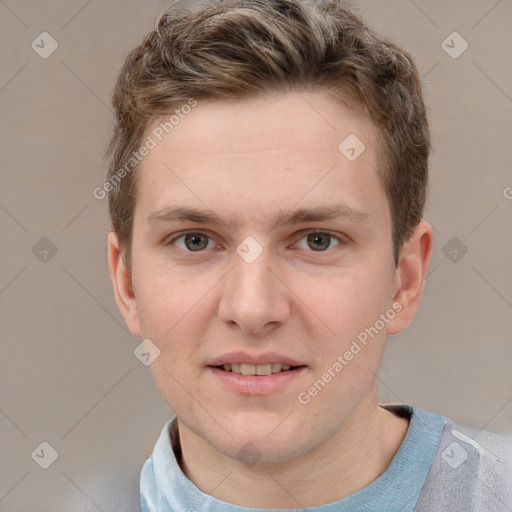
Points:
(246, 160)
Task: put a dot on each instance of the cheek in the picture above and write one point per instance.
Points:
(167, 297)
(348, 301)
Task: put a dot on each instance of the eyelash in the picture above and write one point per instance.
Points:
(341, 240)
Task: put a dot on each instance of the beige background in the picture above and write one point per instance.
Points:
(68, 373)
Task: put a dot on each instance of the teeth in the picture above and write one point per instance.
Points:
(264, 369)
(276, 367)
(256, 369)
(247, 369)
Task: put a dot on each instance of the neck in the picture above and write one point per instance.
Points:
(356, 455)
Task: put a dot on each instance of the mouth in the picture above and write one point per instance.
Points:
(268, 373)
(256, 369)
(257, 379)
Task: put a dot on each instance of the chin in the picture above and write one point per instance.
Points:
(261, 437)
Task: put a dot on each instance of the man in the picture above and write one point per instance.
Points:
(267, 180)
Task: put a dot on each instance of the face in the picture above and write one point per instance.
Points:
(257, 244)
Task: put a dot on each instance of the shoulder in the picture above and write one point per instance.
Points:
(472, 470)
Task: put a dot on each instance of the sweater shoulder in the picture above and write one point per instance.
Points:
(472, 470)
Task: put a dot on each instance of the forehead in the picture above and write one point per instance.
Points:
(261, 151)
(307, 120)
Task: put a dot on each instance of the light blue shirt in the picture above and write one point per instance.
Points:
(437, 468)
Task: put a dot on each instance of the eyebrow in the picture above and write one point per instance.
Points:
(281, 218)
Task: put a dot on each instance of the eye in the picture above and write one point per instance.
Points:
(195, 241)
(192, 241)
(320, 241)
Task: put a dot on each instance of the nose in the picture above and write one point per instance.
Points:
(254, 298)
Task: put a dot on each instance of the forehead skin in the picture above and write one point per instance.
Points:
(246, 160)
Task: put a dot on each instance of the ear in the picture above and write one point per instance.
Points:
(122, 281)
(410, 276)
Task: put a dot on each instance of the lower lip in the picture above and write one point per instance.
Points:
(257, 384)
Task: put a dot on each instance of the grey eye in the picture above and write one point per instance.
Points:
(319, 241)
(196, 241)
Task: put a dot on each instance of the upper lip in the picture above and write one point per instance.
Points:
(244, 357)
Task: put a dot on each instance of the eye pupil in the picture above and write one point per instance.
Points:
(319, 238)
(197, 240)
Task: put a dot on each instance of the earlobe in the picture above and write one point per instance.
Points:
(410, 276)
(122, 282)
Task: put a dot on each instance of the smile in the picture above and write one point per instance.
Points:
(256, 369)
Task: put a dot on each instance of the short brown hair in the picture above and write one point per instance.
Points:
(231, 49)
